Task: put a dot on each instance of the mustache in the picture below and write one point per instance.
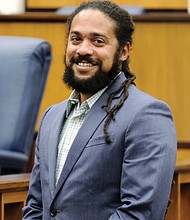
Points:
(85, 58)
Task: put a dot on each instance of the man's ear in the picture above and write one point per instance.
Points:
(125, 52)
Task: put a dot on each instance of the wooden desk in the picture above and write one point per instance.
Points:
(13, 192)
(180, 197)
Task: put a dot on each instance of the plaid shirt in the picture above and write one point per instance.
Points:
(75, 115)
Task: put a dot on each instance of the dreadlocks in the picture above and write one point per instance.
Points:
(124, 30)
(111, 111)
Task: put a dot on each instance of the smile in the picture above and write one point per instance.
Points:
(85, 64)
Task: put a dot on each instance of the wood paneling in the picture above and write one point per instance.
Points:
(180, 194)
(45, 4)
(159, 4)
(160, 58)
(13, 192)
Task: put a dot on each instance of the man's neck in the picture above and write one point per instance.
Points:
(84, 97)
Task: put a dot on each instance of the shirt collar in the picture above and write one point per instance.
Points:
(75, 99)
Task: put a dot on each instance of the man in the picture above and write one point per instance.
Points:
(108, 152)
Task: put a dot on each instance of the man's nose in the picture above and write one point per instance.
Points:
(85, 48)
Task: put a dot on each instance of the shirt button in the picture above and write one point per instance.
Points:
(53, 212)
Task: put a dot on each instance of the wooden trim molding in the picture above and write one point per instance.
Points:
(14, 182)
(52, 17)
(183, 145)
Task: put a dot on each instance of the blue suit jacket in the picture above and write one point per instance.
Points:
(127, 179)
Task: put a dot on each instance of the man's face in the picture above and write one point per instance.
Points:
(92, 56)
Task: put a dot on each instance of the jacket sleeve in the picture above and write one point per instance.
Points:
(148, 164)
(34, 207)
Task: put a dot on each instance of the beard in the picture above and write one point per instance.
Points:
(99, 80)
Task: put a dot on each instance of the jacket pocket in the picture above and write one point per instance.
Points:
(100, 140)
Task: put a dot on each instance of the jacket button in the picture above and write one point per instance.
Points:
(53, 212)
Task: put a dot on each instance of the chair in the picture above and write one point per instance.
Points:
(67, 10)
(133, 10)
(24, 66)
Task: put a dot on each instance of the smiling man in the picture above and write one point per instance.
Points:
(93, 54)
(108, 152)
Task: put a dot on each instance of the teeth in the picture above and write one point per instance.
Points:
(85, 64)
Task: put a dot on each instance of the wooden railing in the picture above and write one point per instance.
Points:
(14, 188)
(13, 192)
(180, 194)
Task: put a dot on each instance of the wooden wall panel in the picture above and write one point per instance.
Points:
(159, 4)
(32, 4)
(160, 60)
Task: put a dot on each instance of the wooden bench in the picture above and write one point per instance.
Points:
(13, 192)
(180, 195)
(14, 188)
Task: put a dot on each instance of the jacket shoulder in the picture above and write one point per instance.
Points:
(141, 98)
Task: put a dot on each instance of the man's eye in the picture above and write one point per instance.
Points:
(75, 39)
(99, 42)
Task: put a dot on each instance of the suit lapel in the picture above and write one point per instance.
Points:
(82, 139)
(56, 127)
(95, 115)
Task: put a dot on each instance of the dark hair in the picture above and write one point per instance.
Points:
(124, 30)
(124, 23)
